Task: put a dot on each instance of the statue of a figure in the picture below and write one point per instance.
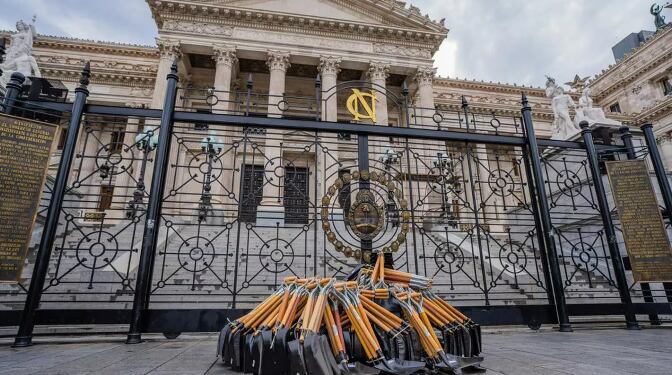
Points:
(563, 126)
(658, 18)
(19, 54)
(586, 111)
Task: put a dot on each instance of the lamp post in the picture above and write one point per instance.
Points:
(212, 146)
(390, 158)
(444, 163)
(145, 142)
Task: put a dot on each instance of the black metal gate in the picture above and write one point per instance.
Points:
(207, 211)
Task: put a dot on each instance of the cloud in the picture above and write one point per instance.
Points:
(514, 41)
(520, 40)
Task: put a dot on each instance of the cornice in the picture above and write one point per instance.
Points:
(464, 84)
(91, 46)
(385, 7)
(163, 10)
(104, 78)
(628, 68)
(659, 109)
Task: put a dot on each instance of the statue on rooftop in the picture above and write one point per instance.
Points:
(586, 112)
(19, 54)
(563, 126)
(658, 18)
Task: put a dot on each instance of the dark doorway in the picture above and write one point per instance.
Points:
(296, 196)
(252, 192)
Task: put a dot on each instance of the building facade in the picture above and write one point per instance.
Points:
(240, 187)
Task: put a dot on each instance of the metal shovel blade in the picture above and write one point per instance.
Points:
(247, 362)
(400, 367)
(314, 356)
(236, 348)
(358, 368)
(223, 348)
(297, 363)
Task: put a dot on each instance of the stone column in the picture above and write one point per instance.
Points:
(665, 147)
(377, 74)
(328, 160)
(124, 185)
(169, 52)
(425, 79)
(272, 210)
(226, 60)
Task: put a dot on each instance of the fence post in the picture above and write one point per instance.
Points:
(626, 137)
(13, 90)
(151, 232)
(605, 212)
(545, 216)
(663, 183)
(24, 336)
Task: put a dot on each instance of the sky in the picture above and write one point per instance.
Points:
(507, 41)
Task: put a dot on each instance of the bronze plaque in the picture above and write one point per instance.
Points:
(642, 224)
(25, 150)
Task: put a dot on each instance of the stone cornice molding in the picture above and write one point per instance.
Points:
(169, 49)
(278, 60)
(441, 82)
(329, 65)
(224, 54)
(133, 105)
(634, 65)
(664, 138)
(425, 76)
(224, 14)
(378, 70)
(90, 46)
(658, 110)
(105, 78)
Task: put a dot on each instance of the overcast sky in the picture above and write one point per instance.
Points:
(512, 41)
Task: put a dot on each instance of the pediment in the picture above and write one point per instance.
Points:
(388, 13)
(314, 8)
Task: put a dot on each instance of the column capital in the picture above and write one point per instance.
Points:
(169, 49)
(133, 105)
(224, 54)
(329, 65)
(664, 139)
(378, 70)
(425, 76)
(278, 61)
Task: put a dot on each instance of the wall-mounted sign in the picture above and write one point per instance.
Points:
(25, 150)
(357, 102)
(642, 224)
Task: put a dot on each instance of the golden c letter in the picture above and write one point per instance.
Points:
(358, 99)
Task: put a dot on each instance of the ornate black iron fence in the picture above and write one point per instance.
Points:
(173, 220)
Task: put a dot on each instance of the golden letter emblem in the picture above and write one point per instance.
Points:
(357, 101)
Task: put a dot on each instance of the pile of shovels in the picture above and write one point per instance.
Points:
(383, 321)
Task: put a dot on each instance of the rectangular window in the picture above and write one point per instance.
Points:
(666, 83)
(62, 138)
(105, 200)
(117, 141)
(615, 108)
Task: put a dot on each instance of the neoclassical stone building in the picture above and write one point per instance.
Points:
(268, 58)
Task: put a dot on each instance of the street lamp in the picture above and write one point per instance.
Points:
(444, 163)
(389, 158)
(146, 142)
(212, 146)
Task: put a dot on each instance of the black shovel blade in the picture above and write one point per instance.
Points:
(247, 362)
(449, 342)
(297, 364)
(223, 348)
(336, 368)
(456, 363)
(258, 353)
(475, 331)
(400, 367)
(237, 351)
(358, 368)
(315, 359)
(270, 357)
